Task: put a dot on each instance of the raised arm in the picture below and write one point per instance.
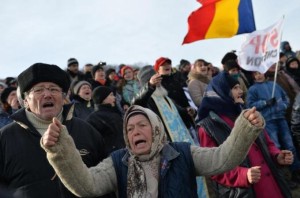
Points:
(213, 161)
(68, 165)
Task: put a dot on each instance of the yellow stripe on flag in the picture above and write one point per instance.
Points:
(226, 17)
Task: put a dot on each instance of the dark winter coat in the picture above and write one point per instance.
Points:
(175, 91)
(81, 109)
(107, 120)
(23, 163)
(144, 99)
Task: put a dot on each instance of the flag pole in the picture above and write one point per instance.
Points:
(276, 70)
(275, 79)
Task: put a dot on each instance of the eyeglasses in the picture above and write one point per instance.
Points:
(41, 90)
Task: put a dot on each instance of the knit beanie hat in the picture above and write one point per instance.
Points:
(230, 64)
(159, 62)
(123, 70)
(96, 68)
(72, 61)
(100, 93)
(5, 93)
(41, 72)
(229, 56)
(76, 85)
(145, 74)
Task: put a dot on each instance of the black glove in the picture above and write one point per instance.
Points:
(271, 102)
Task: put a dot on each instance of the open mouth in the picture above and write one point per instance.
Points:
(48, 104)
(139, 142)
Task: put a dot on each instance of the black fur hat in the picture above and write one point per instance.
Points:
(41, 72)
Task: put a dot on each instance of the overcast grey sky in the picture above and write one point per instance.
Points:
(118, 31)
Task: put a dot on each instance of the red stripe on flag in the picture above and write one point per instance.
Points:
(199, 22)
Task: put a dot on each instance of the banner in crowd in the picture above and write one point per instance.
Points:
(261, 48)
(220, 19)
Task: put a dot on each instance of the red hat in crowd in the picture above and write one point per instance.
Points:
(159, 62)
(123, 70)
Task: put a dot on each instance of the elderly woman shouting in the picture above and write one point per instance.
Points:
(149, 166)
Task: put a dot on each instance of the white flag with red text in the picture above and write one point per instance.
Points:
(261, 48)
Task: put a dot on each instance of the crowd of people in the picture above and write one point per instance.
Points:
(153, 131)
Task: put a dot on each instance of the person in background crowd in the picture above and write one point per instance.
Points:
(198, 79)
(286, 48)
(184, 69)
(73, 70)
(87, 71)
(81, 94)
(11, 82)
(154, 96)
(98, 74)
(258, 175)
(149, 166)
(273, 109)
(245, 77)
(135, 72)
(295, 122)
(24, 168)
(107, 119)
(287, 83)
(9, 100)
(2, 87)
(111, 78)
(292, 68)
(170, 81)
(282, 60)
(127, 86)
(10, 105)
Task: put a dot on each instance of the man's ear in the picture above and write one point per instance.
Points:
(25, 102)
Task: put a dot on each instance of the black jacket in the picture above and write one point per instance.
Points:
(81, 109)
(107, 120)
(144, 99)
(23, 163)
(175, 91)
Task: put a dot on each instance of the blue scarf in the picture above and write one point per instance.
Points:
(218, 98)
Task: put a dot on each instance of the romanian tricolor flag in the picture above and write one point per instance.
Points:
(220, 19)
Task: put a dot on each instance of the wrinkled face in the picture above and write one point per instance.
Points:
(200, 68)
(139, 133)
(128, 74)
(12, 97)
(294, 65)
(73, 67)
(237, 94)
(99, 74)
(110, 99)
(45, 100)
(165, 69)
(85, 92)
(259, 77)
